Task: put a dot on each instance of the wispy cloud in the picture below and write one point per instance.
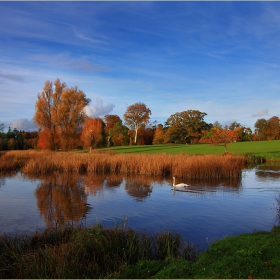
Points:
(66, 61)
(12, 77)
(261, 113)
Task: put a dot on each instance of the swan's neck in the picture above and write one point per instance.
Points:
(173, 182)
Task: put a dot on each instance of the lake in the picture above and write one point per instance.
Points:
(208, 211)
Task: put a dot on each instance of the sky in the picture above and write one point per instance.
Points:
(221, 58)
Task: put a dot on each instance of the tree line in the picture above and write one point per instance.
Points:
(63, 124)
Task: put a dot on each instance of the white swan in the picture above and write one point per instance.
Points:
(181, 185)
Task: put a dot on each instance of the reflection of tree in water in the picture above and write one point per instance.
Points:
(114, 181)
(93, 183)
(61, 199)
(140, 187)
(271, 171)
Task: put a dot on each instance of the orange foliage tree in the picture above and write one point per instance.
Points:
(60, 113)
(137, 115)
(159, 135)
(46, 109)
(93, 133)
(218, 136)
(71, 115)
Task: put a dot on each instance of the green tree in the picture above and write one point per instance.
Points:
(119, 135)
(186, 126)
(260, 128)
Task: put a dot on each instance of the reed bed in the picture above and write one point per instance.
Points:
(85, 253)
(188, 166)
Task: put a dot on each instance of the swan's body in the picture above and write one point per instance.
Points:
(180, 185)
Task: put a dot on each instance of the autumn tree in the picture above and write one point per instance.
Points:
(273, 128)
(136, 115)
(70, 116)
(46, 111)
(60, 113)
(93, 133)
(159, 135)
(221, 137)
(110, 121)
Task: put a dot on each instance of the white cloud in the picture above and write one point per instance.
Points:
(99, 110)
(261, 113)
(23, 124)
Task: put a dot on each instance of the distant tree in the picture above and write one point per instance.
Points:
(119, 135)
(221, 137)
(110, 121)
(31, 139)
(2, 126)
(145, 135)
(186, 126)
(11, 144)
(20, 141)
(234, 125)
(260, 128)
(273, 128)
(93, 133)
(159, 135)
(136, 115)
(217, 124)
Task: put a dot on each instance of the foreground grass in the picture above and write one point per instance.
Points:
(122, 253)
(268, 149)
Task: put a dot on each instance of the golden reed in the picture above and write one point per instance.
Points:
(188, 166)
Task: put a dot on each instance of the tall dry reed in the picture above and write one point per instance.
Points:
(188, 166)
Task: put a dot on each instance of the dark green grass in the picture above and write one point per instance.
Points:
(244, 256)
(267, 149)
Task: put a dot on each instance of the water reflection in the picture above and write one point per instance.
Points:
(5, 175)
(271, 171)
(210, 208)
(93, 183)
(139, 188)
(61, 199)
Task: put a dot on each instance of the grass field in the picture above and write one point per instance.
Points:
(268, 149)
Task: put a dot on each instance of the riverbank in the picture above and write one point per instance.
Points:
(122, 253)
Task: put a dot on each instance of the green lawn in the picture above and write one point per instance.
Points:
(267, 149)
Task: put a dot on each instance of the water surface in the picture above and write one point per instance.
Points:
(208, 211)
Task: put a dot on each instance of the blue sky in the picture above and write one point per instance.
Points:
(222, 58)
